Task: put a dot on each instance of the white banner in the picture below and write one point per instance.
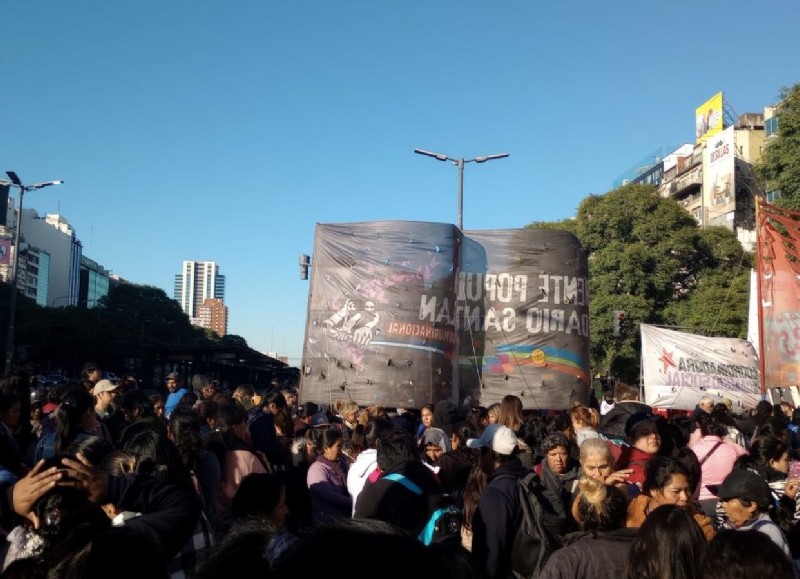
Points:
(679, 368)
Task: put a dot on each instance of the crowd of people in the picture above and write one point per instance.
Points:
(197, 479)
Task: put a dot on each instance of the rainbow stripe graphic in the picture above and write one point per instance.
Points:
(509, 358)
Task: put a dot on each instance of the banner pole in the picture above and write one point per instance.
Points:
(760, 304)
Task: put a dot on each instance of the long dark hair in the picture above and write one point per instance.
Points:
(158, 456)
(73, 408)
(184, 429)
(669, 545)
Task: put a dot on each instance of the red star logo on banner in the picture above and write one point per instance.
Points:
(666, 359)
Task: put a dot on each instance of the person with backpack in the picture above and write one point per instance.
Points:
(494, 524)
(403, 491)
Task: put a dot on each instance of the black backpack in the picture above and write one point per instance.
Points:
(444, 519)
(537, 529)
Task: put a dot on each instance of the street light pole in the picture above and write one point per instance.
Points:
(12, 299)
(460, 164)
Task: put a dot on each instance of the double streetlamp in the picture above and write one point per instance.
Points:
(460, 164)
(12, 300)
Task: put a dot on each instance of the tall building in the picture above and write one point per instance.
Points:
(213, 314)
(198, 281)
(56, 237)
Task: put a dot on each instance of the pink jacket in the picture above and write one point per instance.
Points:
(718, 463)
(238, 464)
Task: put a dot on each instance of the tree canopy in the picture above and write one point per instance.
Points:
(779, 166)
(649, 258)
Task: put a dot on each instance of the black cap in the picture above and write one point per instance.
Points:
(744, 484)
(638, 424)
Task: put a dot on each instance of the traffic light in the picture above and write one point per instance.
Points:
(305, 263)
(619, 321)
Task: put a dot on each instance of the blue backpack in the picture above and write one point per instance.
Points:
(444, 521)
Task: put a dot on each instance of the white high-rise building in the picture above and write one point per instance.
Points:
(199, 280)
(57, 238)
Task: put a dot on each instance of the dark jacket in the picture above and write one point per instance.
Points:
(612, 425)
(591, 556)
(494, 521)
(392, 502)
(454, 469)
(261, 427)
(169, 512)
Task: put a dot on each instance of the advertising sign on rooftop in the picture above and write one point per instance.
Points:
(708, 118)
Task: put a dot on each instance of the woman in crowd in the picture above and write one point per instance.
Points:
(472, 494)
(327, 479)
(157, 456)
(75, 419)
(597, 462)
(584, 422)
(600, 550)
(666, 483)
(426, 420)
(645, 442)
(669, 545)
(261, 499)
(234, 454)
(716, 458)
(747, 499)
(493, 413)
(184, 431)
(559, 474)
(510, 413)
(434, 444)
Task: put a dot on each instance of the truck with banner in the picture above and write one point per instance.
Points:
(402, 313)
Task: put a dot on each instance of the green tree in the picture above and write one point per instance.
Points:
(648, 258)
(779, 166)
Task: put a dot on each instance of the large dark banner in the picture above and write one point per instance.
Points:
(532, 339)
(403, 313)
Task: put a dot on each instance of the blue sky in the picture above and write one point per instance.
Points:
(226, 130)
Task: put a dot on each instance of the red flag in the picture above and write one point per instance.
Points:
(778, 266)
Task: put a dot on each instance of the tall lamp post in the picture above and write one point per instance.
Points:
(12, 300)
(460, 164)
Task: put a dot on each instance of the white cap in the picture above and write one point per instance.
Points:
(501, 439)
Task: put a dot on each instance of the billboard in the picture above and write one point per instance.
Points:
(680, 368)
(402, 313)
(719, 180)
(708, 118)
(5, 251)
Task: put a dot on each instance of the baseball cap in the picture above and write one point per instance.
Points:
(319, 420)
(744, 484)
(104, 386)
(501, 439)
(173, 376)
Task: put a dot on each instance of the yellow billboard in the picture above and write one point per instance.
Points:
(708, 118)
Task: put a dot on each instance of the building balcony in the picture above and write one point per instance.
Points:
(685, 183)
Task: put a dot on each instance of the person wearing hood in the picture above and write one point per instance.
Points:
(559, 473)
(494, 521)
(456, 460)
(626, 397)
(366, 464)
